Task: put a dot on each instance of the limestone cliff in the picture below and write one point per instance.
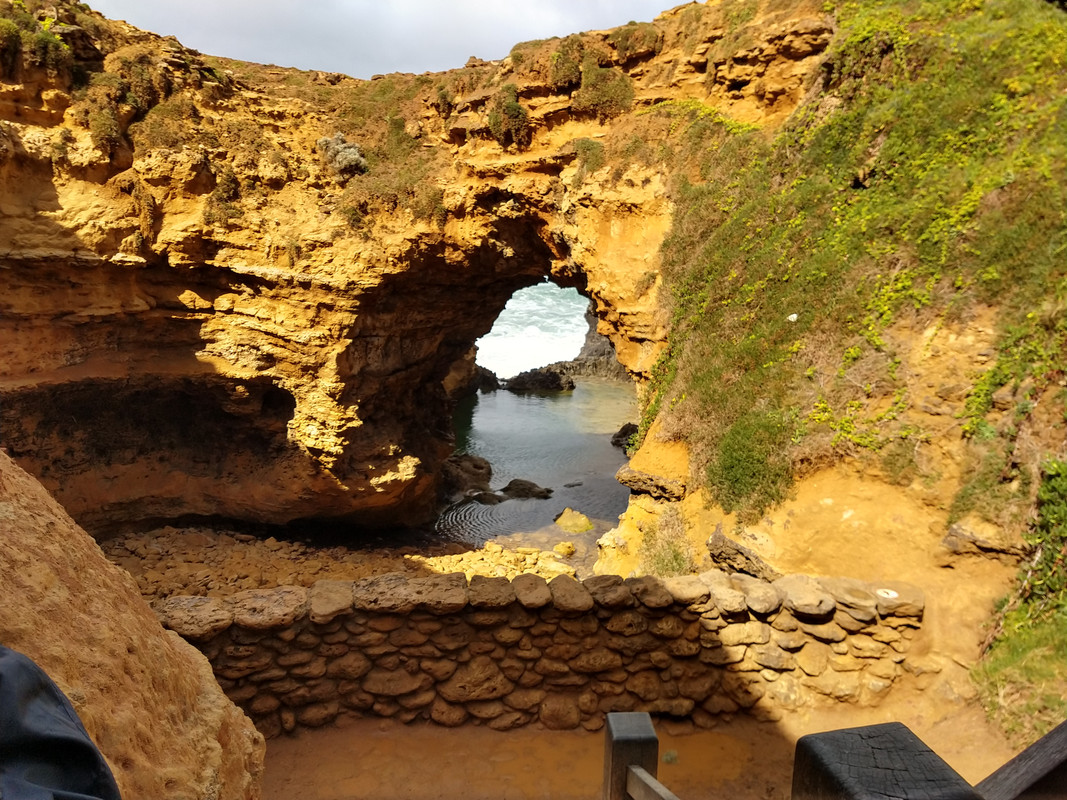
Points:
(147, 698)
(202, 317)
(240, 291)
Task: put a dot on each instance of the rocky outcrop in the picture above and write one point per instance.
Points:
(203, 317)
(733, 557)
(596, 359)
(542, 379)
(563, 653)
(148, 700)
(464, 474)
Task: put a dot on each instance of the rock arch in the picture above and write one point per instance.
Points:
(207, 380)
(269, 363)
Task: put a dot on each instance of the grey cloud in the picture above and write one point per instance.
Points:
(360, 38)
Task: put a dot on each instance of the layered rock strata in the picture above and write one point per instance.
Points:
(563, 652)
(147, 698)
(192, 325)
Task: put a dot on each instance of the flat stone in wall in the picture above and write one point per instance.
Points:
(563, 653)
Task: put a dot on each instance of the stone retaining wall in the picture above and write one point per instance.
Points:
(507, 653)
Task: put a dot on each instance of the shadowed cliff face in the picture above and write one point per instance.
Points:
(201, 317)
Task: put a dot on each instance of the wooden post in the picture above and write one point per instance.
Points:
(1038, 773)
(630, 740)
(873, 763)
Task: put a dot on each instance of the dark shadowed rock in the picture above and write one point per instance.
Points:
(485, 380)
(462, 474)
(544, 379)
(520, 489)
(623, 436)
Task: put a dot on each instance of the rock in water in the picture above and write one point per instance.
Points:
(520, 489)
(147, 698)
(573, 522)
(540, 380)
(465, 474)
(624, 435)
(488, 498)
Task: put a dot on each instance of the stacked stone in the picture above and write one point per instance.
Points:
(506, 653)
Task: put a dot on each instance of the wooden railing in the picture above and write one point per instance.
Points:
(631, 756)
(876, 762)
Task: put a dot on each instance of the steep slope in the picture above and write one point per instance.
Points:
(237, 291)
(147, 698)
(209, 314)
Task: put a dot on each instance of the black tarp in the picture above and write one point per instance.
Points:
(45, 752)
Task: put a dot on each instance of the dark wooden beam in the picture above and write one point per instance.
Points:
(875, 762)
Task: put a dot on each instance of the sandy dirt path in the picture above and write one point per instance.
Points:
(742, 759)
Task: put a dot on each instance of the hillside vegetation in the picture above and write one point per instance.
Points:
(924, 179)
(921, 182)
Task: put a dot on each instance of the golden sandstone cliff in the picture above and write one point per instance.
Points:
(147, 698)
(213, 307)
(194, 328)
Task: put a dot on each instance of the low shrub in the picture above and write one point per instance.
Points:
(1024, 674)
(636, 39)
(565, 64)
(104, 128)
(48, 50)
(749, 470)
(343, 157)
(665, 550)
(508, 121)
(605, 91)
(166, 125)
(221, 205)
(591, 157)
(10, 48)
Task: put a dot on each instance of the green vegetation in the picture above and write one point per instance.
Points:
(25, 40)
(635, 39)
(1024, 675)
(591, 157)
(749, 468)
(221, 206)
(605, 91)
(665, 550)
(926, 178)
(10, 48)
(508, 121)
(166, 125)
(565, 64)
(343, 157)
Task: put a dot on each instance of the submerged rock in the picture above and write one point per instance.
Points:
(573, 521)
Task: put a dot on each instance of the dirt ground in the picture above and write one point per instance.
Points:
(833, 525)
(741, 758)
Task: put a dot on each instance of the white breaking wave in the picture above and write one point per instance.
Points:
(540, 325)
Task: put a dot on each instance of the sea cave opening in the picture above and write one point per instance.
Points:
(559, 439)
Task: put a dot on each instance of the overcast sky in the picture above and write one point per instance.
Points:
(364, 37)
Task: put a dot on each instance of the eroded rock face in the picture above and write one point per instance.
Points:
(167, 354)
(148, 699)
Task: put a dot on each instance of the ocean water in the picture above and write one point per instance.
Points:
(540, 325)
(561, 441)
